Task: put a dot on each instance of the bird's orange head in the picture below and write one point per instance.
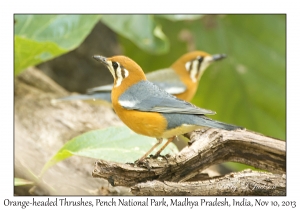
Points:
(125, 71)
(190, 67)
(193, 64)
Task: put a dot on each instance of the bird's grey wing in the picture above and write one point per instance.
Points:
(145, 96)
(168, 80)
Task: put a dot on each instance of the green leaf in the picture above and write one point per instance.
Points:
(142, 30)
(118, 144)
(235, 166)
(39, 38)
(29, 52)
(21, 182)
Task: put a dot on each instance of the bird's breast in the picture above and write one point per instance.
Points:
(146, 123)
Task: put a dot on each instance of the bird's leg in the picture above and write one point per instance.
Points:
(159, 140)
(164, 146)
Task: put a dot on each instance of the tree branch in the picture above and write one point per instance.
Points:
(207, 147)
(243, 183)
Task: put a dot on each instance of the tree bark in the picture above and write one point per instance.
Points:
(207, 147)
(243, 183)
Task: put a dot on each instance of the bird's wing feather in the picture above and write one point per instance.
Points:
(168, 80)
(145, 96)
(171, 88)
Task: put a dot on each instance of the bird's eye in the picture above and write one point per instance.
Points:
(115, 65)
(200, 59)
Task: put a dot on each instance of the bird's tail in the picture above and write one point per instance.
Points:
(217, 124)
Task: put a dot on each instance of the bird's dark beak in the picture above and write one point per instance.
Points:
(101, 59)
(218, 57)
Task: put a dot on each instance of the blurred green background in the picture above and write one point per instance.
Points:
(248, 88)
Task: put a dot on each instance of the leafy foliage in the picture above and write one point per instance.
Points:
(118, 144)
(39, 38)
(141, 30)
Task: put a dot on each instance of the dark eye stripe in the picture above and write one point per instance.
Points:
(115, 65)
(123, 72)
(116, 75)
(191, 66)
(199, 64)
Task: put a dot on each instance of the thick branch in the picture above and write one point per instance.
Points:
(244, 183)
(208, 147)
